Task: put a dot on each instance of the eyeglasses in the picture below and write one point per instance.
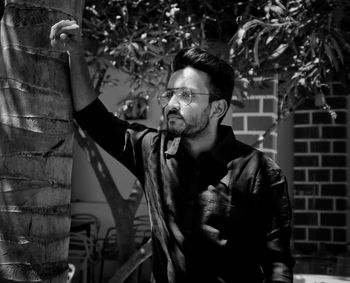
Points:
(184, 95)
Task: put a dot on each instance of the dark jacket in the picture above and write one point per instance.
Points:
(223, 217)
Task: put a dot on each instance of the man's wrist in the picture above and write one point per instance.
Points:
(76, 53)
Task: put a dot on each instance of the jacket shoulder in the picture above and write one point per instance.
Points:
(258, 163)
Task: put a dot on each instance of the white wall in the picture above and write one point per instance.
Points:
(87, 195)
(285, 150)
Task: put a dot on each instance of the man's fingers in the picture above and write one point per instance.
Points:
(56, 26)
(62, 26)
(70, 30)
(63, 36)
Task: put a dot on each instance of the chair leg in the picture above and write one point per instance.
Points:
(85, 272)
(101, 270)
(92, 272)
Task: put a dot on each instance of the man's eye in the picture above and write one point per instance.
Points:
(186, 93)
(168, 94)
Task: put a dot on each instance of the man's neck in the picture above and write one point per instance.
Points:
(200, 144)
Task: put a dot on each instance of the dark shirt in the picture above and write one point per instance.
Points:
(223, 217)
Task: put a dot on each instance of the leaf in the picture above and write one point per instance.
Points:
(342, 37)
(241, 90)
(154, 49)
(313, 71)
(155, 33)
(280, 4)
(272, 35)
(237, 103)
(330, 54)
(308, 65)
(239, 35)
(313, 41)
(256, 46)
(276, 9)
(135, 45)
(252, 24)
(294, 10)
(296, 75)
(278, 51)
(337, 48)
(256, 49)
(302, 81)
(320, 99)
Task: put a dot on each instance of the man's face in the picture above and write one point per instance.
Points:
(192, 119)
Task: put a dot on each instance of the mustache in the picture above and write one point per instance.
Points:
(173, 112)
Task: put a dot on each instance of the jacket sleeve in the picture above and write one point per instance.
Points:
(119, 138)
(277, 261)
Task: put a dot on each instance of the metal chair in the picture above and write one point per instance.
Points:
(109, 248)
(142, 230)
(89, 225)
(90, 221)
(80, 255)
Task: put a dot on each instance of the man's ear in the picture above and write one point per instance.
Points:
(219, 108)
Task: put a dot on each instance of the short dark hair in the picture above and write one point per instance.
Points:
(221, 74)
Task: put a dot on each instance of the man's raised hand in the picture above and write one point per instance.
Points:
(66, 35)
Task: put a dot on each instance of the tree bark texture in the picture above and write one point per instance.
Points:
(36, 137)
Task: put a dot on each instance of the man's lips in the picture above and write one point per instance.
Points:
(174, 116)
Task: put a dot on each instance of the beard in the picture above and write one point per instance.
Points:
(191, 127)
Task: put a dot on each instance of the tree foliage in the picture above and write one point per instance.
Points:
(140, 37)
(305, 41)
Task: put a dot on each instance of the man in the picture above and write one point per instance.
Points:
(219, 209)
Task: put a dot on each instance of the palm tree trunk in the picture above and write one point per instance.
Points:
(36, 138)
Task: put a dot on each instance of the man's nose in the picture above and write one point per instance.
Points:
(174, 102)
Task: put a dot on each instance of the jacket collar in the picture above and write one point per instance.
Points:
(223, 151)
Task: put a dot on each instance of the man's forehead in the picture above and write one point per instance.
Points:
(189, 77)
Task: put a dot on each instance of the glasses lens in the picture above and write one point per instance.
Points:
(185, 95)
(164, 97)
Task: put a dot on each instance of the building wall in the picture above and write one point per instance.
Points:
(259, 113)
(321, 176)
(257, 116)
(313, 152)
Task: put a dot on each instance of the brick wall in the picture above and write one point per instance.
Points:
(321, 184)
(258, 114)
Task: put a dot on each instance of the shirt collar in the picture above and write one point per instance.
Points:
(223, 150)
(173, 146)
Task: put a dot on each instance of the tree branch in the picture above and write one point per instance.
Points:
(99, 166)
(134, 262)
(100, 80)
(135, 196)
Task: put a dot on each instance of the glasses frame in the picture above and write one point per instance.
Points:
(177, 92)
